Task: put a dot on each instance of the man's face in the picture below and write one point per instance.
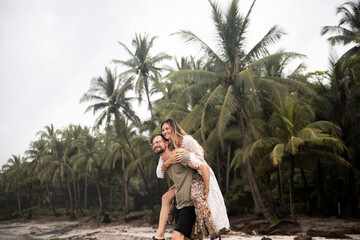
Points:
(158, 145)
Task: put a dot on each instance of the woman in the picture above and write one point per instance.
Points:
(209, 223)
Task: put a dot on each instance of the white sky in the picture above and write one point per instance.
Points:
(51, 49)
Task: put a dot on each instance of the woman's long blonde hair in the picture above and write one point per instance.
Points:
(176, 131)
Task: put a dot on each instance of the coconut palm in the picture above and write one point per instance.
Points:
(36, 152)
(142, 65)
(57, 165)
(339, 104)
(88, 160)
(231, 83)
(293, 133)
(117, 159)
(71, 134)
(13, 174)
(110, 95)
(348, 29)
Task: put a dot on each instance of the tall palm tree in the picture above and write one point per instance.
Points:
(142, 65)
(340, 99)
(231, 83)
(13, 174)
(71, 134)
(348, 29)
(110, 95)
(344, 86)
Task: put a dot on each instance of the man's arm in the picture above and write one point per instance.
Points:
(205, 173)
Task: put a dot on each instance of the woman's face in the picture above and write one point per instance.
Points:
(166, 130)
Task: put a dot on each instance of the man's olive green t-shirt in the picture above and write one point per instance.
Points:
(182, 176)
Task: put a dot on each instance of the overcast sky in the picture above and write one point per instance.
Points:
(51, 49)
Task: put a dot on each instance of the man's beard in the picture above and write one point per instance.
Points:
(160, 151)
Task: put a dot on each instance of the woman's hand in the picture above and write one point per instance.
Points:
(181, 150)
(175, 158)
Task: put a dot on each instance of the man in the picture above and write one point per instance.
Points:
(181, 174)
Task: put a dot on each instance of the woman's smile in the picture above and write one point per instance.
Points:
(166, 131)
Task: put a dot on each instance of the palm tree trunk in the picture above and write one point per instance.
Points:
(292, 206)
(259, 203)
(269, 191)
(148, 97)
(352, 203)
(19, 203)
(75, 196)
(30, 195)
(64, 193)
(99, 195)
(51, 198)
(72, 214)
(110, 192)
(321, 202)
(126, 192)
(78, 195)
(306, 192)
(228, 170)
(280, 189)
(85, 191)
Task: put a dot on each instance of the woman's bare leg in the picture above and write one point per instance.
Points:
(164, 212)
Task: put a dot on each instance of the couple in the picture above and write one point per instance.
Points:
(210, 208)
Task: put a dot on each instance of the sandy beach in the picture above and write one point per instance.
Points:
(135, 231)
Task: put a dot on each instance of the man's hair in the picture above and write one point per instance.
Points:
(154, 136)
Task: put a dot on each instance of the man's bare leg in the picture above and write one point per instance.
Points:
(164, 212)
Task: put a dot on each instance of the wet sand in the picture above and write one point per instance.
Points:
(124, 231)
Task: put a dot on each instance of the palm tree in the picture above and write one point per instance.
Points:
(339, 104)
(142, 65)
(348, 29)
(71, 134)
(344, 86)
(118, 156)
(36, 152)
(13, 174)
(57, 165)
(88, 160)
(231, 83)
(294, 133)
(110, 95)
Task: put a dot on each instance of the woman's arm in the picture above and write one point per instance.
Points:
(173, 159)
(205, 173)
(190, 144)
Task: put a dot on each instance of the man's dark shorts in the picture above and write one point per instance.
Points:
(184, 220)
